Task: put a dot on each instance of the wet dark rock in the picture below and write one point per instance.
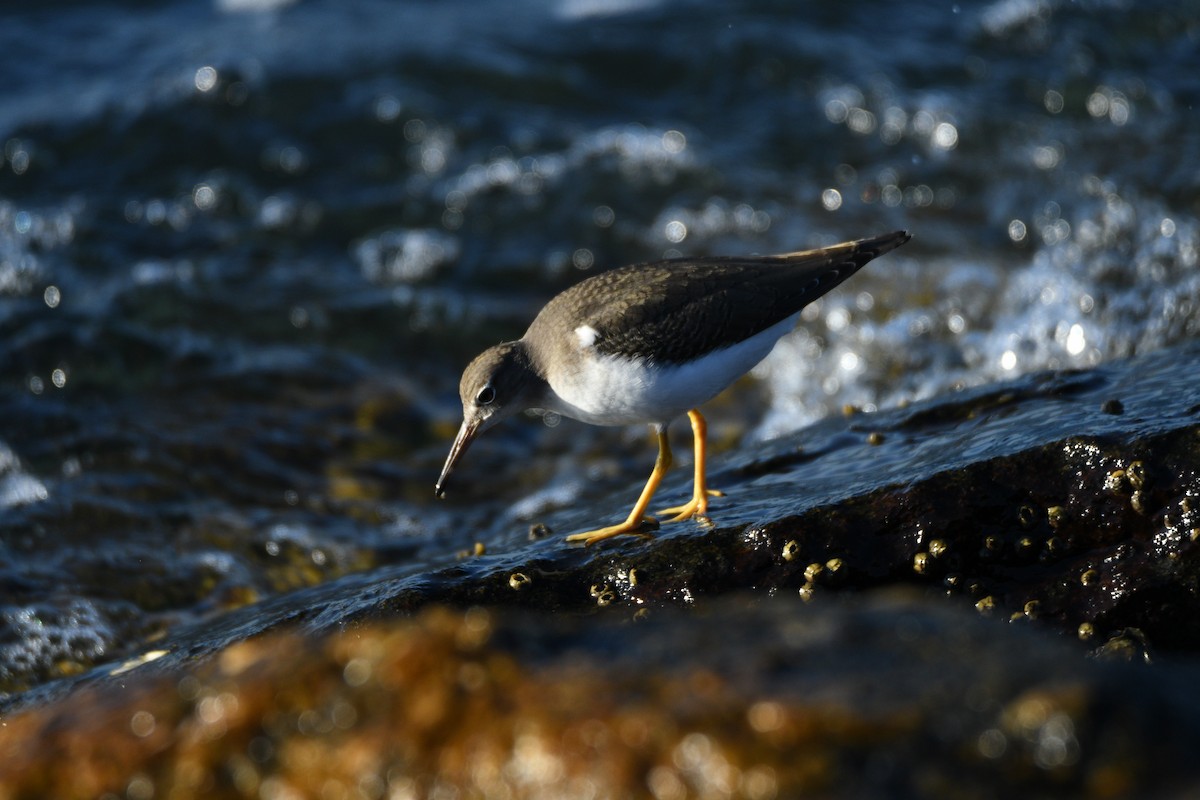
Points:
(1090, 533)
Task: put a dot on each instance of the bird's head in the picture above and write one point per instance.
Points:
(497, 384)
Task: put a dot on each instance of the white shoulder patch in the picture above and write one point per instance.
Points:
(587, 336)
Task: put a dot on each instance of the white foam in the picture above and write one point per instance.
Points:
(17, 487)
(1117, 278)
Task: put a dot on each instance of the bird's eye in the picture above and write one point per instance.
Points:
(486, 396)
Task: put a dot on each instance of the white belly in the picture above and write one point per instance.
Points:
(606, 390)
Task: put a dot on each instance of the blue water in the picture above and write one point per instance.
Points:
(247, 247)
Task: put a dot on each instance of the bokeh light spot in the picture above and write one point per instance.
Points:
(206, 79)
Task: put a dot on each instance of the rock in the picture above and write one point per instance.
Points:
(886, 694)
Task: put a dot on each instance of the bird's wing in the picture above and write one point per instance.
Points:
(680, 308)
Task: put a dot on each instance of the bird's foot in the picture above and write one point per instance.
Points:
(630, 527)
(696, 507)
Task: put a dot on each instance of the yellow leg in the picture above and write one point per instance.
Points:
(698, 505)
(633, 523)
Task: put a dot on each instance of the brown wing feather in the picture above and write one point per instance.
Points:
(674, 310)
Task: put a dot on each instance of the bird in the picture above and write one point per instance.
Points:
(649, 343)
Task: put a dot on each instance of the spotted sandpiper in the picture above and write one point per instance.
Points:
(648, 343)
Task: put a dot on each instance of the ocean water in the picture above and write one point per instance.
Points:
(247, 247)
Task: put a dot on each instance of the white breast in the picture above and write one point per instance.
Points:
(608, 390)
